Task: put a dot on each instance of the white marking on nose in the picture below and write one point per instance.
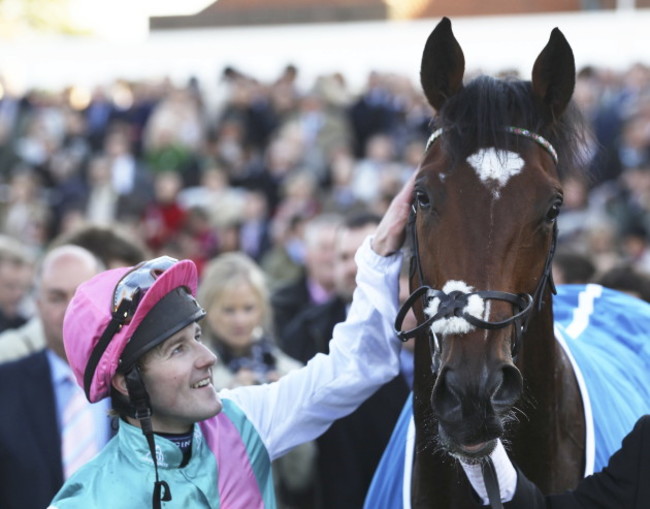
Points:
(495, 168)
(456, 324)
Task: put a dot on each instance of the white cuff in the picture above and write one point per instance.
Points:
(506, 474)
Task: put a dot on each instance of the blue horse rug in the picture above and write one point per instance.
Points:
(606, 334)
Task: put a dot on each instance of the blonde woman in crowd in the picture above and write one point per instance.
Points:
(237, 327)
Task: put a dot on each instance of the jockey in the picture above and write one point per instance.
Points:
(132, 335)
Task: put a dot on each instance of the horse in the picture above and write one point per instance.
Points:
(484, 228)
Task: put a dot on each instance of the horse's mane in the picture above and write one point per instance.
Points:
(476, 116)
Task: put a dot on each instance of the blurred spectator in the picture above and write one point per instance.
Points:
(102, 198)
(249, 108)
(577, 214)
(570, 267)
(628, 203)
(237, 327)
(318, 128)
(309, 332)
(10, 114)
(24, 213)
(377, 165)
(255, 226)
(98, 115)
(283, 262)
(372, 113)
(635, 247)
(238, 323)
(41, 134)
(227, 149)
(349, 451)
(601, 242)
(36, 389)
(627, 279)
(174, 134)
(298, 197)
(129, 178)
(16, 271)
(629, 150)
(197, 240)
(222, 202)
(164, 216)
(316, 283)
(601, 114)
(112, 245)
(282, 158)
(340, 196)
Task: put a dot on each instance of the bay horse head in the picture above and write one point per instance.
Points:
(487, 196)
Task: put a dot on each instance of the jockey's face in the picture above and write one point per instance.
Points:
(178, 378)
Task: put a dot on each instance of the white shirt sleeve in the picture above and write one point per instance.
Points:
(506, 474)
(364, 355)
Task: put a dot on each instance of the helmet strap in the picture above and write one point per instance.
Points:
(140, 401)
(117, 320)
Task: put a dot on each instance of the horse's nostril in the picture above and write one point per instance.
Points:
(445, 402)
(509, 389)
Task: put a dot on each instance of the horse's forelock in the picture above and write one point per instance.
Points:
(476, 115)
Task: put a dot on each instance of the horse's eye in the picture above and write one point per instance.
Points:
(422, 199)
(554, 211)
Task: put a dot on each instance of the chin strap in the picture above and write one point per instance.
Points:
(491, 483)
(140, 401)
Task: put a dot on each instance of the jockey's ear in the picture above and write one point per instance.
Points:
(119, 383)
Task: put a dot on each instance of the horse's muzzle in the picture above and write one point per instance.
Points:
(472, 413)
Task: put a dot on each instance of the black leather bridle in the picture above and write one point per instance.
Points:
(454, 303)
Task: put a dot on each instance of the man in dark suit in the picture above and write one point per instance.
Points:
(350, 450)
(622, 484)
(33, 392)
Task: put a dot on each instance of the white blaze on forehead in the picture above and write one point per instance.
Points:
(456, 324)
(496, 167)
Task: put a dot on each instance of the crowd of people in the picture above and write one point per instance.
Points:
(270, 189)
(203, 168)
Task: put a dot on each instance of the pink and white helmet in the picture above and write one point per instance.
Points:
(105, 315)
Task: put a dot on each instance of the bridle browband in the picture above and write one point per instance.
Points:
(453, 304)
(519, 131)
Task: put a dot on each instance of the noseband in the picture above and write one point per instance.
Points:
(453, 304)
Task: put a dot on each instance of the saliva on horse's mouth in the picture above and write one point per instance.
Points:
(474, 453)
(469, 453)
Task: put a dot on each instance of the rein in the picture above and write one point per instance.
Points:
(454, 303)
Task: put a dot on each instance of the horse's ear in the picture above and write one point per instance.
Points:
(443, 65)
(554, 74)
